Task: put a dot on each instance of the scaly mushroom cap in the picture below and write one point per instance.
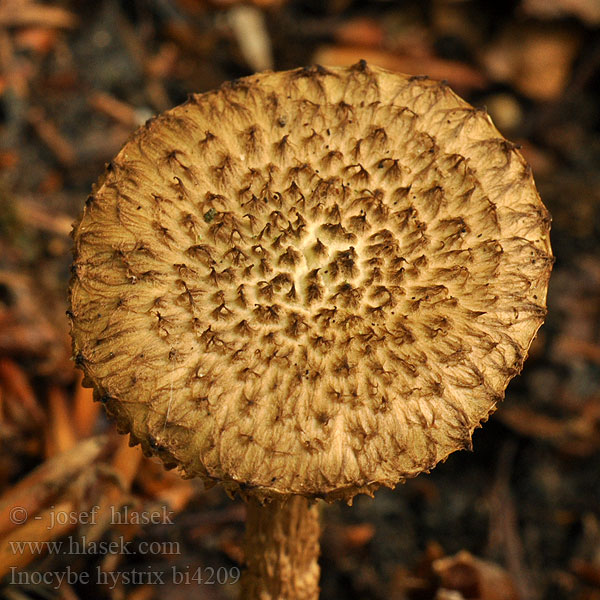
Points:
(315, 282)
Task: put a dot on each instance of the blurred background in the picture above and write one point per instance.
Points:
(518, 518)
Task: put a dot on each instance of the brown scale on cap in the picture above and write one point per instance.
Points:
(312, 282)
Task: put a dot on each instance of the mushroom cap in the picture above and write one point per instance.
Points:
(312, 282)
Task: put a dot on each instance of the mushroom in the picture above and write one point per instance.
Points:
(306, 285)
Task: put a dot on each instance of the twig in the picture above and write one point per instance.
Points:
(45, 482)
(60, 434)
(40, 530)
(250, 30)
(125, 463)
(85, 410)
(51, 136)
(36, 215)
(458, 74)
(504, 530)
(14, 381)
(19, 14)
(115, 109)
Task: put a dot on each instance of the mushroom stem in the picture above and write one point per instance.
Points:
(282, 549)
